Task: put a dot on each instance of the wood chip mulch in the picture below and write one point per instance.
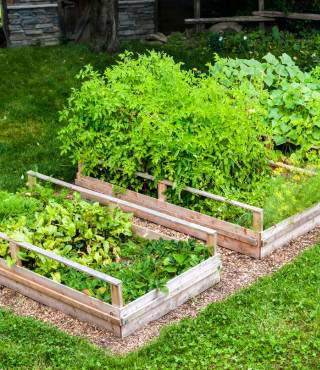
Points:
(238, 272)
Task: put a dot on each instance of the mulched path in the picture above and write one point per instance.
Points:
(238, 272)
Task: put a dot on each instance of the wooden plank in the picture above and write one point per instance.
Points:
(34, 6)
(257, 221)
(61, 306)
(230, 236)
(28, 279)
(290, 223)
(285, 238)
(32, 181)
(261, 5)
(205, 268)
(116, 295)
(276, 14)
(162, 188)
(149, 234)
(168, 303)
(72, 293)
(202, 193)
(168, 208)
(87, 270)
(177, 285)
(212, 244)
(14, 252)
(250, 18)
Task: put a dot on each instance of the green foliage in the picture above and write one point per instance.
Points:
(196, 50)
(288, 196)
(149, 115)
(272, 324)
(29, 121)
(35, 83)
(142, 266)
(97, 237)
(13, 206)
(291, 97)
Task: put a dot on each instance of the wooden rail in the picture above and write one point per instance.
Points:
(206, 233)
(276, 14)
(293, 168)
(116, 284)
(244, 18)
(162, 187)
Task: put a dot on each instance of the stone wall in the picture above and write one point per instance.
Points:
(136, 18)
(36, 22)
(32, 22)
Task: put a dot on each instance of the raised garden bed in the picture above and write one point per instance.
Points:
(122, 319)
(255, 241)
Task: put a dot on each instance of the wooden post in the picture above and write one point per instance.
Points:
(212, 243)
(32, 181)
(197, 13)
(162, 188)
(257, 221)
(116, 295)
(79, 172)
(261, 8)
(14, 252)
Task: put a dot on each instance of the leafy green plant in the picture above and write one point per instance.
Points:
(291, 97)
(289, 195)
(13, 206)
(149, 115)
(97, 237)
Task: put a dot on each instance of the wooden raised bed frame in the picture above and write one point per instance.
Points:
(255, 241)
(121, 319)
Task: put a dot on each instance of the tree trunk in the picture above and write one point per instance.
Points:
(103, 24)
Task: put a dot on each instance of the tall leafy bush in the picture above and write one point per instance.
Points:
(147, 114)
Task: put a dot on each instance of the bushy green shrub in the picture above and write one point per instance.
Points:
(149, 115)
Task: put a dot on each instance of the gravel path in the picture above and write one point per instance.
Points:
(238, 271)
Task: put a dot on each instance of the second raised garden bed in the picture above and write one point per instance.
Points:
(255, 241)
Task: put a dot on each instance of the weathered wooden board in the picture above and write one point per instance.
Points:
(276, 14)
(244, 18)
(230, 236)
(149, 234)
(156, 304)
(282, 233)
(60, 297)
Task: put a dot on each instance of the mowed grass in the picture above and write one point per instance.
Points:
(274, 324)
(34, 85)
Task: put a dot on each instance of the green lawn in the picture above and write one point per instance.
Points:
(274, 324)
(34, 86)
(35, 83)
